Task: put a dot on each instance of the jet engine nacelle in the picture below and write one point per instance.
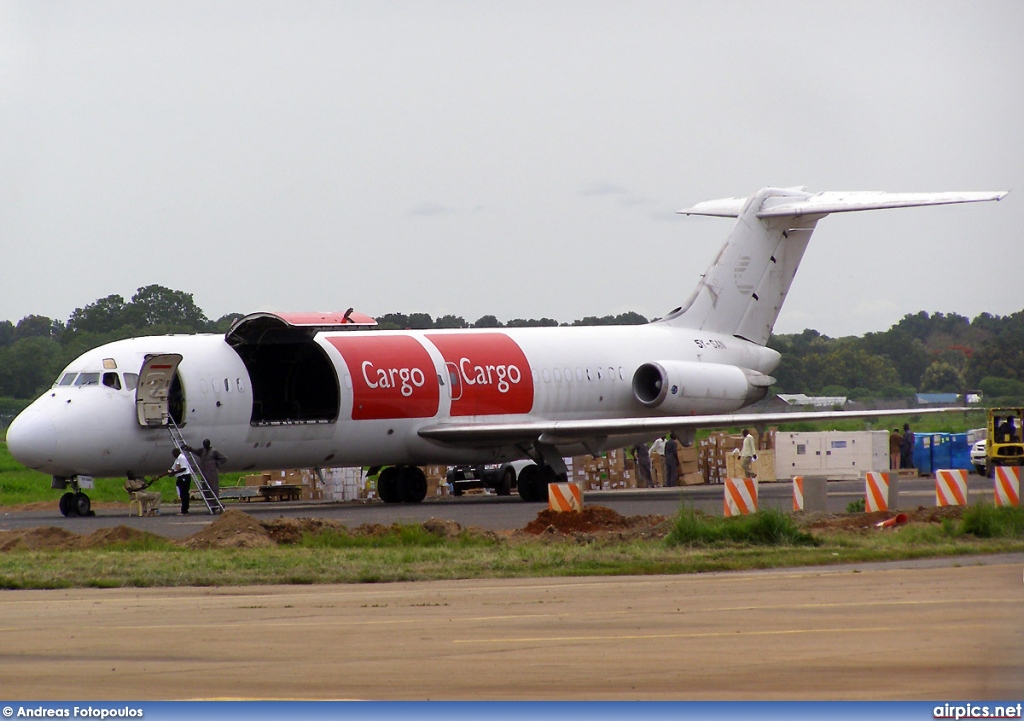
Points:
(687, 387)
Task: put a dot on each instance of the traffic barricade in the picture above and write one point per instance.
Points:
(1007, 485)
(740, 496)
(951, 487)
(565, 497)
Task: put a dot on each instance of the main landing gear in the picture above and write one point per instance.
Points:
(550, 468)
(534, 480)
(402, 484)
(73, 502)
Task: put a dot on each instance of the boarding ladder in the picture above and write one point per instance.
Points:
(205, 490)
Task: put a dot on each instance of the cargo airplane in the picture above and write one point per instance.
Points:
(312, 390)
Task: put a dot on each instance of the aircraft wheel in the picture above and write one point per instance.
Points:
(531, 484)
(412, 484)
(387, 485)
(83, 506)
(67, 504)
(505, 485)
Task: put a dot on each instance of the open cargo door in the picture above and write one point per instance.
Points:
(153, 396)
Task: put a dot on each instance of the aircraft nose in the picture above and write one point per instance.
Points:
(32, 439)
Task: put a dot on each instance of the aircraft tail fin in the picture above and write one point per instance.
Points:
(742, 291)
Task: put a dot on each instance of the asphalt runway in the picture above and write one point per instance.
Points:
(487, 512)
(912, 631)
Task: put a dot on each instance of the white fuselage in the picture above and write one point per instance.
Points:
(392, 384)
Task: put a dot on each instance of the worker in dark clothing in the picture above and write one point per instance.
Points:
(210, 460)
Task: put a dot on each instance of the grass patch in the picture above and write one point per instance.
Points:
(987, 521)
(764, 528)
(154, 565)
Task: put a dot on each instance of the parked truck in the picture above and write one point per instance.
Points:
(500, 477)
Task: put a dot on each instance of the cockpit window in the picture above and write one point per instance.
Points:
(131, 381)
(67, 379)
(111, 380)
(88, 379)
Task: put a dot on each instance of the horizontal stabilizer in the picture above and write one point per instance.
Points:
(835, 202)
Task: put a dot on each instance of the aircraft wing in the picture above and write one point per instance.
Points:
(564, 432)
(836, 202)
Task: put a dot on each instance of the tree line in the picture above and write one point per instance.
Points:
(921, 353)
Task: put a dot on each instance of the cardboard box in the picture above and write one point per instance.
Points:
(691, 479)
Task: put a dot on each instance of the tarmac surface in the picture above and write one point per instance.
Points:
(939, 629)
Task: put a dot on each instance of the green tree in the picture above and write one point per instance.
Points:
(104, 316)
(29, 366)
(34, 326)
(451, 321)
(487, 321)
(6, 333)
(942, 377)
(1009, 388)
(155, 305)
(420, 321)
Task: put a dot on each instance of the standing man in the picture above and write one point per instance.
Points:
(210, 460)
(182, 472)
(907, 448)
(895, 449)
(658, 462)
(671, 461)
(643, 465)
(747, 454)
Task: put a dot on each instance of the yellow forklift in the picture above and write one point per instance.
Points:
(1005, 446)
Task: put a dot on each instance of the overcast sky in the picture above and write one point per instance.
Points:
(522, 159)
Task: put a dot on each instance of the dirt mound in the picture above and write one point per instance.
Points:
(442, 528)
(48, 538)
(232, 529)
(592, 520)
(289, 531)
(112, 536)
(868, 521)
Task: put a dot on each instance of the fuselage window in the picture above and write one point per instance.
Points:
(599, 376)
(611, 373)
(568, 374)
(579, 374)
(112, 381)
(589, 376)
(88, 379)
(227, 386)
(239, 386)
(622, 373)
(557, 374)
(547, 375)
(131, 381)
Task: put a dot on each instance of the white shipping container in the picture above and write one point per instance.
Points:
(840, 455)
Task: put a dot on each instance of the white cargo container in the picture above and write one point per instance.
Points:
(840, 455)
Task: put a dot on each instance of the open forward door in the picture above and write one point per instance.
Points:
(157, 392)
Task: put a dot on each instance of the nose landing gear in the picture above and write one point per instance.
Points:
(73, 502)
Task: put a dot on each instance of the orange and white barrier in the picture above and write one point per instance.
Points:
(565, 497)
(951, 487)
(1008, 485)
(876, 491)
(798, 493)
(740, 496)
